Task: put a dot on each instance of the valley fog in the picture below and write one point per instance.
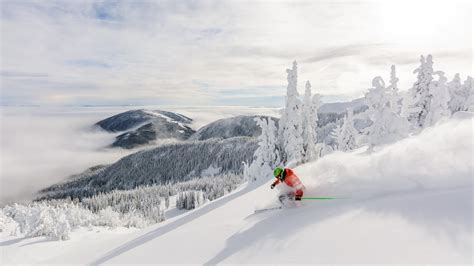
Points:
(41, 146)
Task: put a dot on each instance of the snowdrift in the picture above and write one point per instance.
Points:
(439, 157)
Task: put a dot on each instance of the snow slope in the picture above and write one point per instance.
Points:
(409, 202)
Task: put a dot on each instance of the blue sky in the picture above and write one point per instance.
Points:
(220, 52)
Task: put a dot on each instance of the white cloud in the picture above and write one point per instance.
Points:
(164, 51)
(40, 147)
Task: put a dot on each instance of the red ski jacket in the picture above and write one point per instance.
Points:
(291, 180)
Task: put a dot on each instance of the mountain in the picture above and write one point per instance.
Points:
(231, 127)
(145, 126)
(134, 118)
(156, 130)
(162, 165)
(358, 105)
(217, 148)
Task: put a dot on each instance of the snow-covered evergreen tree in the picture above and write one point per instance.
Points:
(439, 107)
(407, 102)
(266, 157)
(468, 86)
(322, 150)
(420, 93)
(290, 131)
(189, 200)
(376, 100)
(310, 118)
(458, 94)
(346, 134)
(137, 207)
(394, 96)
(306, 112)
(387, 126)
(167, 201)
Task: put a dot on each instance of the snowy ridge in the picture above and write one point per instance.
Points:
(340, 107)
(160, 166)
(141, 127)
(170, 117)
(242, 125)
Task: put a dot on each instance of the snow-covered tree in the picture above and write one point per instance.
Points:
(420, 93)
(395, 97)
(468, 86)
(376, 99)
(345, 134)
(306, 119)
(266, 157)
(310, 118)
(137, 207)
(406, 105)
(387, 126)
(167, 201)
(458, 95)
(322, 150)
(290, 131)
(189, 200)
(439, 107)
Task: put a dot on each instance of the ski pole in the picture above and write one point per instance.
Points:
(318, 198)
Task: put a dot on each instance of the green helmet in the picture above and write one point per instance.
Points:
(277, 171)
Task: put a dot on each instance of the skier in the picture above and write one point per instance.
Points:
(288, 176)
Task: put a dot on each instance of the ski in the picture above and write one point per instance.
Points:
(268, 209)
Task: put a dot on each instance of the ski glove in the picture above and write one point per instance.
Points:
(272, 186)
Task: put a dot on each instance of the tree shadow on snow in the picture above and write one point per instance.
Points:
(12, 241)
(172, 225)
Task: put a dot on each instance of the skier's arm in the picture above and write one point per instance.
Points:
(277, 181)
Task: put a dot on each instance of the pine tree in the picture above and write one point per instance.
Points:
(167, 201)
(387, 126)
(322, 150)
(439, 95)
(457, 94)
(310, 118)
(420, 93)
(468, 86)
(266, 156)
(290, 125)
(345, 134)
(395, 97)
(306, 110)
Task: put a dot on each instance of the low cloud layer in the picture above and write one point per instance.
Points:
(41, 147)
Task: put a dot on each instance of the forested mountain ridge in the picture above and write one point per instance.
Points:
(161, 165)
(146, 126)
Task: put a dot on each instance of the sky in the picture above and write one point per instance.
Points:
(199, 53)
